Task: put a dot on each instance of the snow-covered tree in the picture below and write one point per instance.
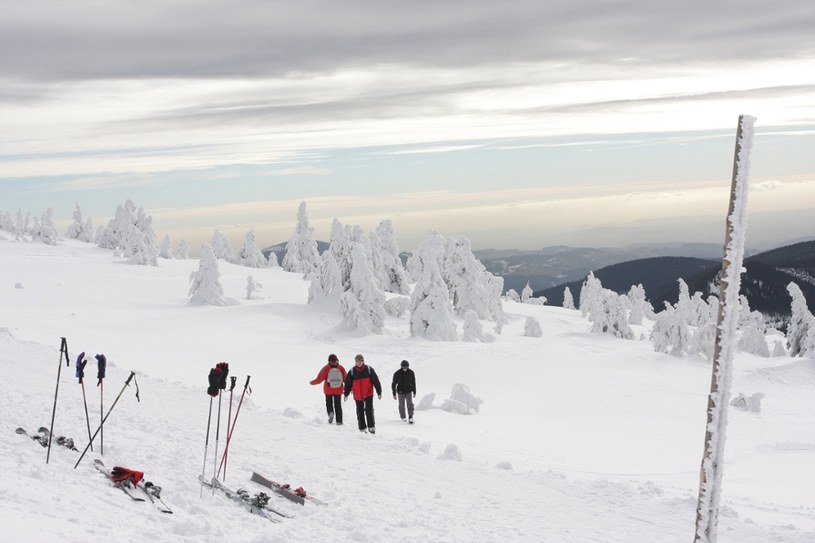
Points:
(301, 250)
(526, 293)
(607, 315)
(465, 279)
(589, 293)
(131, 232)
(272, 261)
(640, 307)
(166, 250)
(80, 229)
(252, 286)
(512, 295)
(362, 305)
(397, 306)
(183, 250)
(205, 284)
(340, 247)
(670, 333)
(532, 327)
(330, 278)
(249, 255)
(220, 246)
(431, 311)
(801, 322)
(568, 299)
(753, 341)
(387, 266)
(47, 231)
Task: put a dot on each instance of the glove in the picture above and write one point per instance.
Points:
(379, 396)
(101, 365)
(394, 396)
(121, 475)
(214, 381)
(80, 366)
(224, 367)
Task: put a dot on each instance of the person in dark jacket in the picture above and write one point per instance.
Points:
(404, 386)
(333, 374)
(362, 380)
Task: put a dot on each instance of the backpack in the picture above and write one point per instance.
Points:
(334, 378)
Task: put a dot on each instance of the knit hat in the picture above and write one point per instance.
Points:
(333, 358)
(405, 364)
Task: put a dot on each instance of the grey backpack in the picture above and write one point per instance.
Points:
(334, 378)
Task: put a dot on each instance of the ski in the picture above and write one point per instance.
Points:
(154, 495)
(256, 504)
(42, 438)
(124, 486)
(297, 495)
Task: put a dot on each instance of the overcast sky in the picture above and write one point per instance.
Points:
(517, 124)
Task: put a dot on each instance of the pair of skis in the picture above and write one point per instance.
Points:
(297, 495)
(43, 437)
(151, 491)
(257, 504)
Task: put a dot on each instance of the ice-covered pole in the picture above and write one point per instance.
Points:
(710, 478)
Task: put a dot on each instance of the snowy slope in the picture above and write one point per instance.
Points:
(581, 437)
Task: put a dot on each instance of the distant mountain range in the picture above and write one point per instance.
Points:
(764, 282)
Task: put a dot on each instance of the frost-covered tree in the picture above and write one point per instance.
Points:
(397, 306)
(670, 333)
(47, 231)
(272, 261)
(431, 311)
(466, 281)
(589, 293)
(205, 284)
(532, 327)
(340, 247)
(330, 279)
(568, 299)
(220, 246)
(526, 293)
(183, 251)
(512, 295)
(608, 315)
(166, 250)
(362, 305)
(753, 341)
(801, 322)
(80, 229)
(640, 307)
(130, 230)
(249, 255)
(387, 266)
(301, 250)
(252, 286)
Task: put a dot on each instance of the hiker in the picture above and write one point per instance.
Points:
(404, 386)
(363, 381)
(334, 376)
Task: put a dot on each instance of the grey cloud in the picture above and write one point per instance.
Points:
(251, 38)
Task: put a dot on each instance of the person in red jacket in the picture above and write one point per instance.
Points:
(333, 374)
(363, 381)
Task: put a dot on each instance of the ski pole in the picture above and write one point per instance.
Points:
(102, 363)
(232, 426)
(127, 383)
(63, 350)
(222, 370)
(206, 446)
(228, 418)
(80, 374)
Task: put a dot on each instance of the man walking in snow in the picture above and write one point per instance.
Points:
(363, 381)
(334, 376)
(404, 386)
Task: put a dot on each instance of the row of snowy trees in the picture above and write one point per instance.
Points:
(26, 228)
(689, 326)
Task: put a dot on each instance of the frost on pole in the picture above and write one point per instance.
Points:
(707, 511)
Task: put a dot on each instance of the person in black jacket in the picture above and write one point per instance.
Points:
(404, 387)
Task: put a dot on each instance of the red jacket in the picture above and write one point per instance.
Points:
(362, 381)
(323, 376)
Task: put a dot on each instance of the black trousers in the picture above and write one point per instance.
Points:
(365, 410)
(333, 404)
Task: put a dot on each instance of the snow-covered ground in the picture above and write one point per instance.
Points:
(580, 437)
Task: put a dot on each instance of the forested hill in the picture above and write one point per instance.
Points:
(764, 282)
